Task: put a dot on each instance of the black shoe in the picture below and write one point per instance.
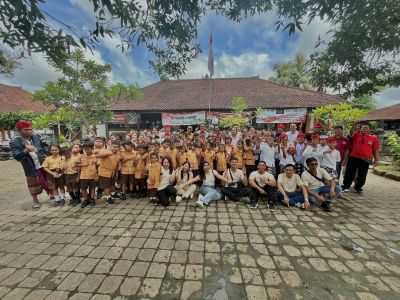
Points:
(57, 204)
(62, 202)
(271, 206)
(84, 203)
(99, 196)
(110, 201)
(92, 202)
(326, 206)
(122, 197)
(115, 195)
(254, 205)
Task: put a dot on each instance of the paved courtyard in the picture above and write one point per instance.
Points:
(132, 250)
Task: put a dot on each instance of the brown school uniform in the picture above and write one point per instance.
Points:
(173, 156)
(140, 166)
(221, 162)
(153, 180)
(182, 157)
(88, 172)
(54, 164)
(238, 154)
(229, 150)
(107, 170)
(128, 166)
(209, 157)
(192, 158)
(71, 172)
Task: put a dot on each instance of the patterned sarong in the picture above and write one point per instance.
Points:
(36, 184)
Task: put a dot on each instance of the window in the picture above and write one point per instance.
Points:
(280, 111)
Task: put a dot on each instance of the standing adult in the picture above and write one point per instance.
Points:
(268, 152)
(235, 135)
(292, 134)
(29, 150)
(343, 146)
(317, 130)
(364, 152)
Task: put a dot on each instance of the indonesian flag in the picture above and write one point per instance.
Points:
(211, 57)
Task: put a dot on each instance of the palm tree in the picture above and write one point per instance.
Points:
(293, 73)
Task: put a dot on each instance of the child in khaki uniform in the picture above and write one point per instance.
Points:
(54, 175)
(194, 156)
(140, 171)
(127, 160)
(153, 169)
(71, 175)
(108, 167)
(88, 174)
(182, 156)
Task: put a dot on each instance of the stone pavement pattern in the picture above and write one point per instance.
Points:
(132, 250)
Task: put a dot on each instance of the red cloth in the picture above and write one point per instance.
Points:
(364, 145)
(317, 124)
(23, 124)
(315, 136)
(342, 144)
(281, 126)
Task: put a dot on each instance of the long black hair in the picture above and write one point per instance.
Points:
(186, 163)
(202, 174)
(171, 168)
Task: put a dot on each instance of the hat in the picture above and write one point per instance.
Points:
(167, 127)
(23, 124)
(281, 126)
(283, 136)
(318, 124)
(301, 135)
(315, 136)
(331, 139)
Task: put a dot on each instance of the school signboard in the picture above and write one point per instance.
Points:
(287, 115)
(190, 118)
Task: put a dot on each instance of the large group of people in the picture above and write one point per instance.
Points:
(241, 164)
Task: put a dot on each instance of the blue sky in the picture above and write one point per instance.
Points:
(248, 48)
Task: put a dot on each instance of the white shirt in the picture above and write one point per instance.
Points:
(312, 182)
(164, 178)
(261, 179)
(236, 176)
(210, 179)
(290, 184)
(312, 152)
(284, 161)
(292, 137)
(267, 154)
(298, 157)
(330, 160)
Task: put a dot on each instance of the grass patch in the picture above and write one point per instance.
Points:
(387, 171)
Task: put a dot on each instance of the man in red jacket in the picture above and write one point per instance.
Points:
(364, 152)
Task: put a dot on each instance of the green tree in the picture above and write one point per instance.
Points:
(293, 73)
(362, 52)
(84, 91)
(8, 63)
(239, 116)
(344, 114)
(365, 102)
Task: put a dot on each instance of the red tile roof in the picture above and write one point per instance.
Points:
(194, 94)
(386, 113)
(13, 98)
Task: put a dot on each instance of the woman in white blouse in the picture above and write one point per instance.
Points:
(183, 174)
(166, 190)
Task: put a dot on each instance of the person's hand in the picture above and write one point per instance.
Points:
(77, 179)
(320, 198)
(375, 164)
(306, 204)
(286, 200)
(331, 194)
(29, 148)
(262, 191)
(328, 151)
(344, 162)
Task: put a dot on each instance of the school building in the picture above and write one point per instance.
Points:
(194, 101)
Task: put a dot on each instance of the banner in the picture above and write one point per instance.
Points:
(288, 115)
(124, 117)
(191, 118)
(215, 117)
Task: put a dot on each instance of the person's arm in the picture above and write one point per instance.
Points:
(222, 178)
(189, 182)
(346, 157)
(254, 185)
(281, 189)
(18, 152)
(305, 194)
(332, 185)
(104, 154)
(172, 177)
(271, 182)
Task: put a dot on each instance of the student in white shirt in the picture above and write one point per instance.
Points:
(268, 153)
(262, 183)
(291, 190)
(331, 157)
(292, 134)
(313, 150)
(321, 187)
(286, 153)
(238, 186)
(300, 146)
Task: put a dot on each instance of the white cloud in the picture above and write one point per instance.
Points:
(226, 66)
(388, 97)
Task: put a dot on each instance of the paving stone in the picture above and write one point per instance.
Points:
(110, 284)
(91, 283)
(255, 292)
(150, 287)
(72, 281)
(190, 290)
(130, 286)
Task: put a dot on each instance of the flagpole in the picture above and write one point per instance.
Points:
(211, 70)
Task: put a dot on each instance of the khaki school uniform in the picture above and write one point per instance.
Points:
(88, 172)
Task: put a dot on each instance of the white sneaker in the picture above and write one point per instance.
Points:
(178, 199)
(191, 196)
(199, 203)
(201, 197)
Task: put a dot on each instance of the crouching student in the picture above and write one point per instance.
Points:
(321, 186)
(71, 174)
(107, 169)
(127, 159)
(291, 190)
(88, 174)
(237, 189)
(55, 181)
(184, 174)
(166, 191)
(262, 183)
(153, 171)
